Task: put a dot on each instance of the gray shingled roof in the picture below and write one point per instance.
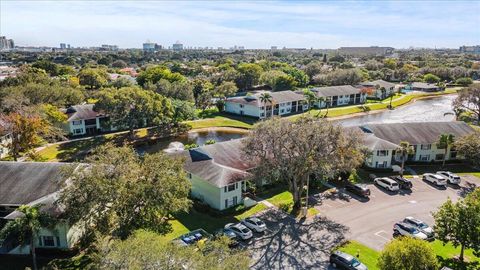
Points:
(278, 97)
(372, 142)
(81, 112)
(423, 85)
(418, 133)
(25, 182)
(381, 83)
(220, 164)
(338, 90)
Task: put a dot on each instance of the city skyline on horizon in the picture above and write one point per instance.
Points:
(318, 25)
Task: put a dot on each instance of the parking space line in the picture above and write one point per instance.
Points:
(327, 205)
(339, 201)
(383, 237)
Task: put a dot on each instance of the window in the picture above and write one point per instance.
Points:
(189, 175)
(78, 131)
(282, 111)
(453, 155)
(424, 157)
(241, 105)
(235, 200)
(231, 187)
(382, 153)
(262, 108)
(426, 146)
(262, 114)
(226, 203)
(48, 241)
(439, 157)
(76, 123)
(381, 165)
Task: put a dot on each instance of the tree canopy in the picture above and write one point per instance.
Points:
(119, 192)
(407, 253)
(292, 151)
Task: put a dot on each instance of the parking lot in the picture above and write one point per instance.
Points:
(371, 221)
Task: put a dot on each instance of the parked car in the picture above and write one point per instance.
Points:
(193, 237)
(451, 177)
(404, 183)
(402, 228)
(359, 189)
(240, 230)
(387, 183)
(230, 235)
(436, 179)
(422, 226)
(254, 224)
(343, 260)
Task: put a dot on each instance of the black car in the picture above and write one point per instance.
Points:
(341, 260)
(404, 183)
(359, 189)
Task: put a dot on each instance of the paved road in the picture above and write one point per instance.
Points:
(371, 221)
(290, 244)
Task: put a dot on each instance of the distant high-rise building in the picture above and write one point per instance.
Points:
(63, 46)
(470, 49)
(149, 46)
(273, 48)
(6, 44)
(68, 46)
(106, 47)
(177, 46)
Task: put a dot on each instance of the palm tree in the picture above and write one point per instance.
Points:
(266, 98)
(445, 141)
(320, 100)
(310, 97)
(27, 226)
(405, 149)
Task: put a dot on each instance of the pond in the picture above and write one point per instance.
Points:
(199, 137)
(436, 109)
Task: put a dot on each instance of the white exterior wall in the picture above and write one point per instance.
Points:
(214, 196)
(77, 127)
(378, 93)
(431, 153)
(64, 240)
(342, 100)
(372, 160)
(4, 141)
(233, 107)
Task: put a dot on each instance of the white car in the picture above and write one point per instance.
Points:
(422, 226)
(405, 229)
(435, 179)
(387, 183)
(254, 224)
(451, 177)
(240, 230)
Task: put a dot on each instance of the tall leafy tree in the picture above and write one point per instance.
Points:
(133, 107)
(120, 192)
(404, 150)
(93, 78)
(249, 74)
(458, 223)
(407, 253)
(26, 227)
(445, 141)
(25, 131)
(469, 147)
(293, 151)
(310, 96)
(147, 250)
(156, 73)
(468, 99)
(278, 80)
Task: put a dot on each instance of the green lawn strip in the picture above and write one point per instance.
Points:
(445, 254)
(367, 256)
(193, 220)
(218, 121)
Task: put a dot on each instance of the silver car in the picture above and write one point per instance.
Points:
(254, 224)
(240, 230)
(451, 177)
(422, 226)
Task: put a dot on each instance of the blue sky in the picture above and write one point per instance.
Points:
(259, 24)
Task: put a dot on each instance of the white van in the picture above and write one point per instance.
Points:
(435, 179)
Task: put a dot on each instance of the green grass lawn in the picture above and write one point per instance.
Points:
(284, 201)
(219, 121)
(186, 222)
(445, 255)
(367, 255)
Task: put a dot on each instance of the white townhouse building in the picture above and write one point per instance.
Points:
(384, 139)
(33, 183)
(340, 95)
(217, 172)
(283, 103)
(380, 89)
(83, 120)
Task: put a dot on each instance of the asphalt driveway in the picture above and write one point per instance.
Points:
(371, 221)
